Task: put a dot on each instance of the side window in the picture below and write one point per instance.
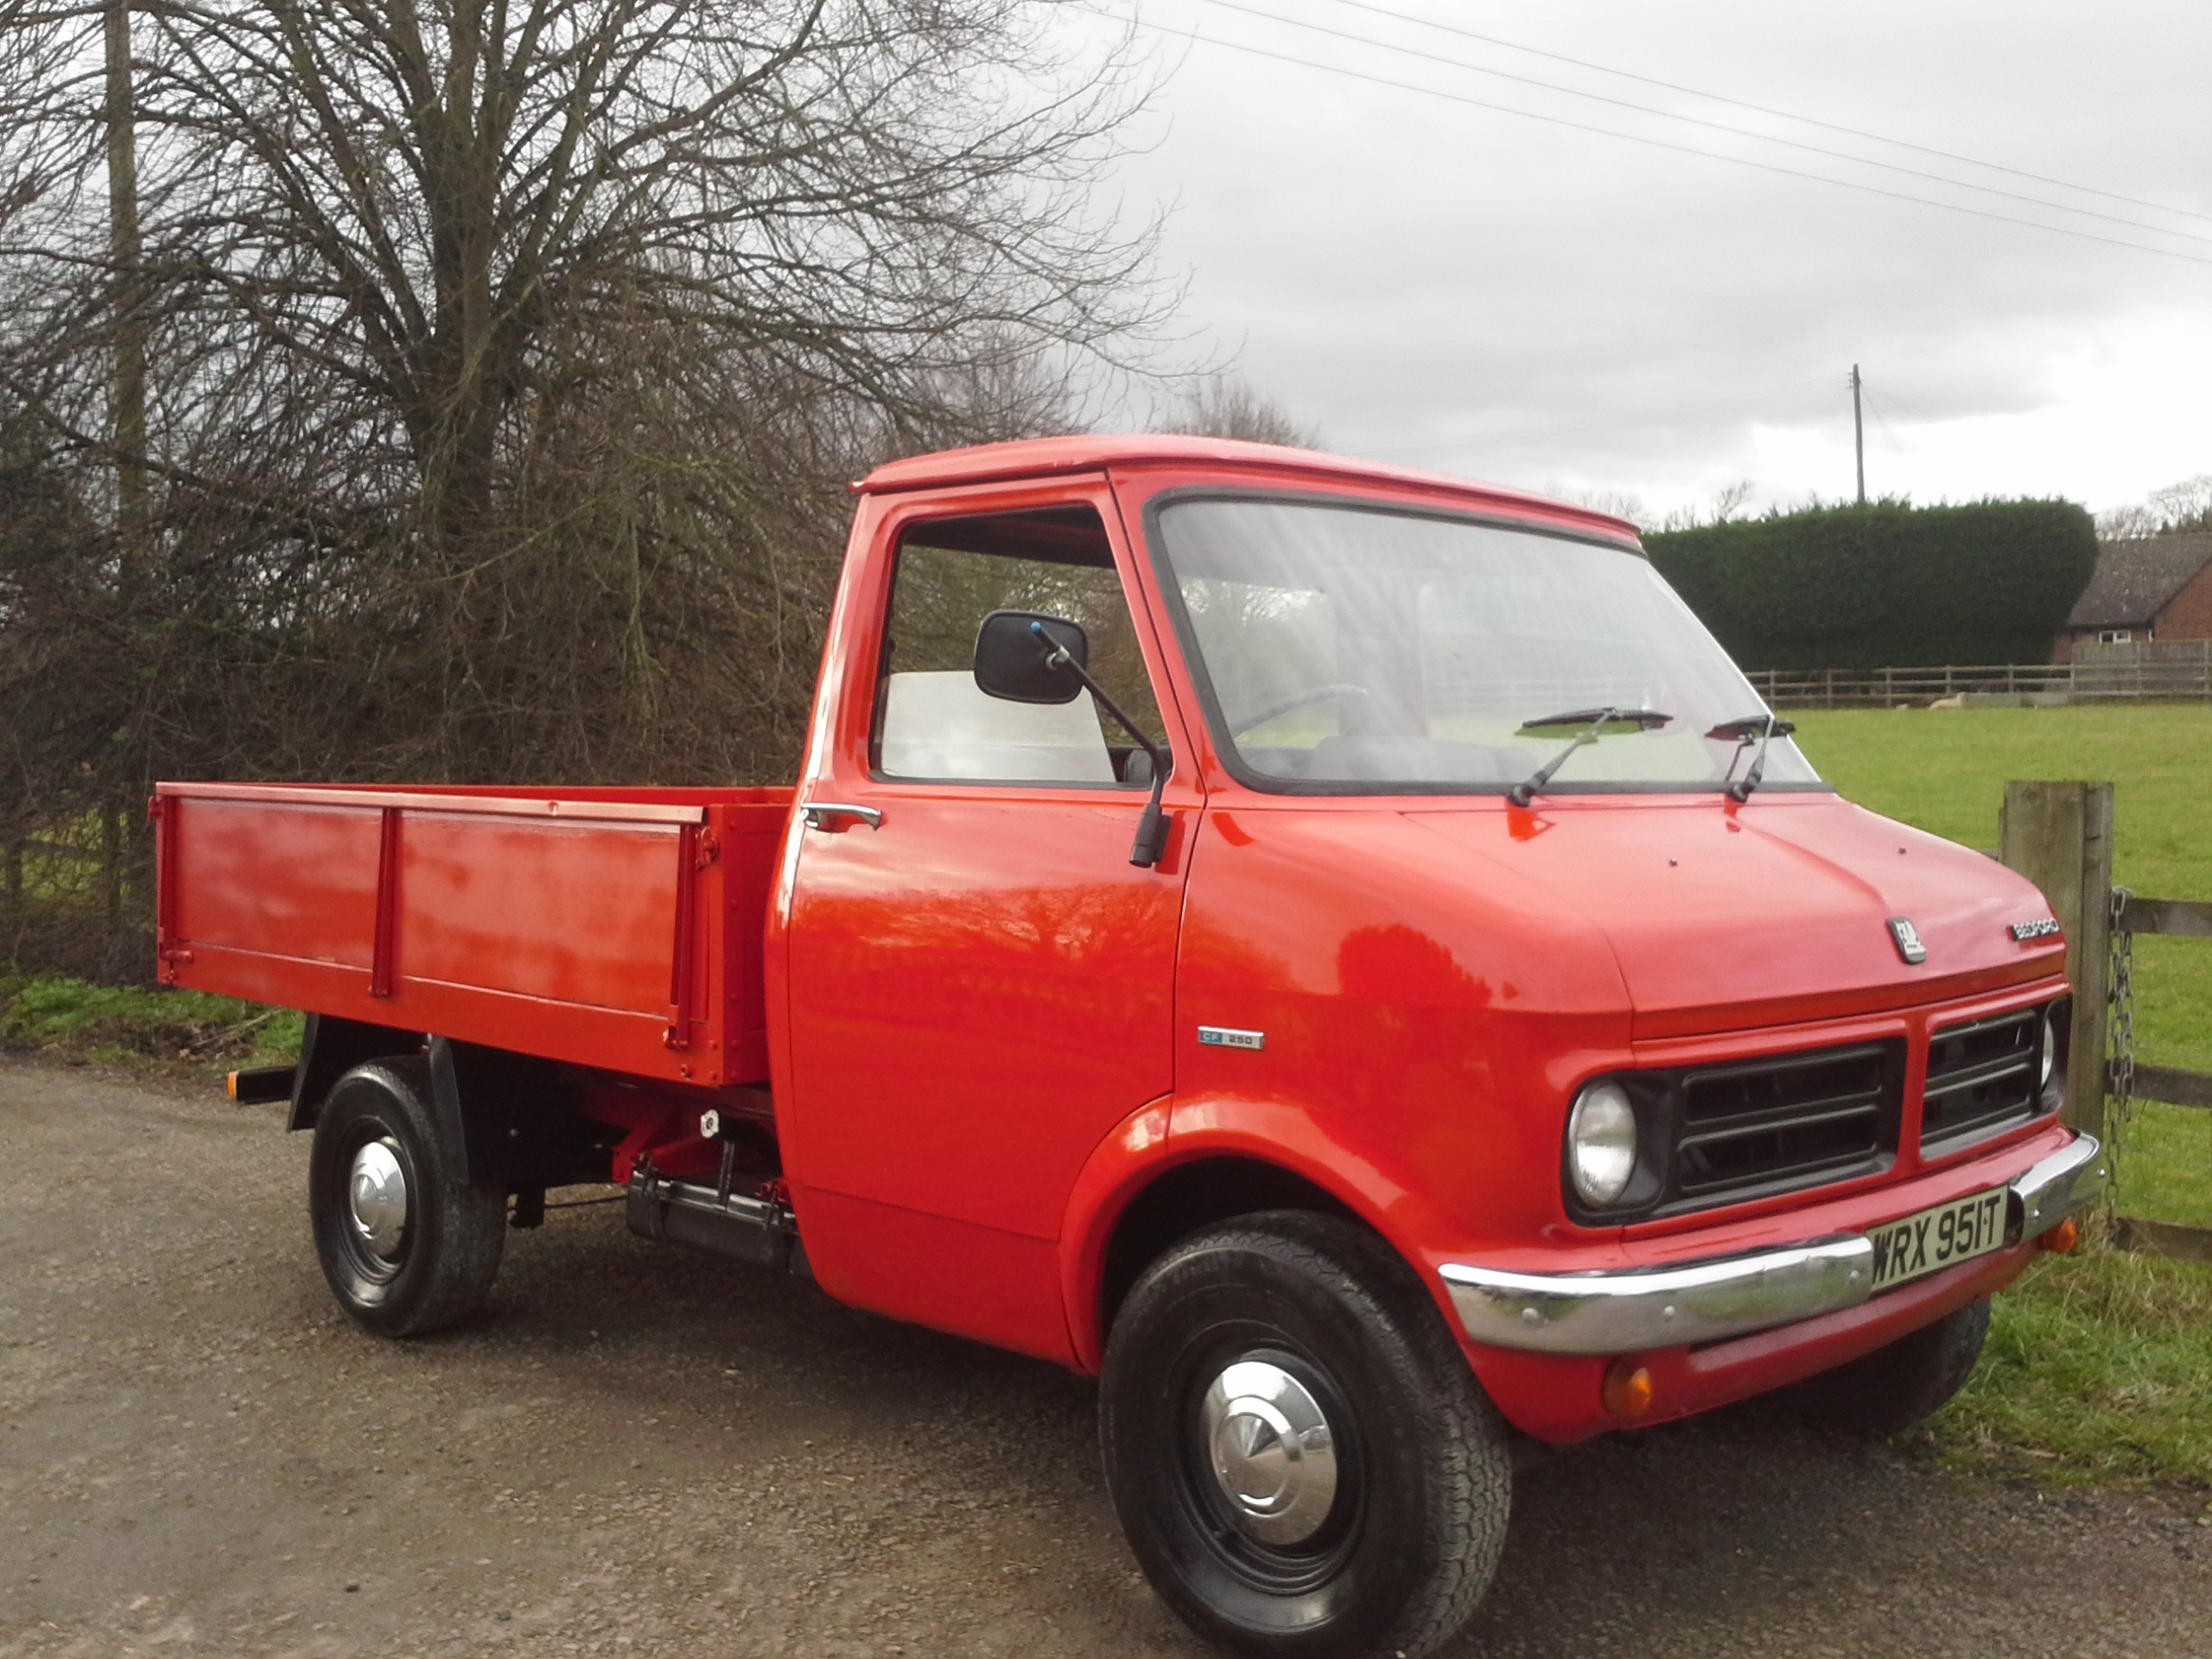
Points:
(931, 718)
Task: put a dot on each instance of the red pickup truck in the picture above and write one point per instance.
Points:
(1339, 953)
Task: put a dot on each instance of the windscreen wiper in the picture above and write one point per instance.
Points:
(1740, 731)
(1644, 717)
(1747, 726)
(1594, 720)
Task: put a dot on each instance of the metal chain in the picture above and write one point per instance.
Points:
(2119, 1063)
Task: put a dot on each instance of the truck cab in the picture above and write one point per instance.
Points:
(1340, 953)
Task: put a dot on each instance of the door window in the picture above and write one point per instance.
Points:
(933, 722)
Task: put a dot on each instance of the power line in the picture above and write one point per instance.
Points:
(1767, 109)
(1908, 410)
(1639, 138)
(1889, 432)
(1690, 120)
(1500, 440)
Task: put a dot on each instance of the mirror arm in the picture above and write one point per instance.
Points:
(1151, 842)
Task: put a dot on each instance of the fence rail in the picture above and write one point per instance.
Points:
(2188, 918)
(2155, 681)
(2166, 1238)
(2173, 1085)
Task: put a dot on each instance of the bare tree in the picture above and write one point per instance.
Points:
(1730, 499)
(1622, 503)
(504, 364)
(2183, 506)
(435, 216)
(1727, 502)
(1220, 406)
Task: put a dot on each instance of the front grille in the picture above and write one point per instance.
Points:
(1768, 1125)
(1982, 1077)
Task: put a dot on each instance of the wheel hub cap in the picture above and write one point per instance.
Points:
(378, 1194)
(1272, 1451)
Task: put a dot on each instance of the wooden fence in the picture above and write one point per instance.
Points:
(2059, 835)
(2156, 680)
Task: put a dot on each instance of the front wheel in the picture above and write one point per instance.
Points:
(1896, 1386)
(408, 1247)
(1302, 1461)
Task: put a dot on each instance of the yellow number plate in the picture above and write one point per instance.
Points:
(1940, 1238)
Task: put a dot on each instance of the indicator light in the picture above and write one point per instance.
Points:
(1627, 1391)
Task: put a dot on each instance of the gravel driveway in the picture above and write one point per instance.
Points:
(646, 1453)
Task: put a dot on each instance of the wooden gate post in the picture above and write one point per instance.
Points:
(2059, 835)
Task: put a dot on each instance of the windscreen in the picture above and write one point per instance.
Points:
(1351, 650)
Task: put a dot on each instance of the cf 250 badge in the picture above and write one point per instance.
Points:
(1229, 1037)
(2040, 928)
(1907, 939)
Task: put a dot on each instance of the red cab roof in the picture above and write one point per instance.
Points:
(1095, 451)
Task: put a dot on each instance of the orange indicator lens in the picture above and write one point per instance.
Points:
(1626, 1391)
(2061, 1239)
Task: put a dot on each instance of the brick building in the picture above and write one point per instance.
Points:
(2145, 589)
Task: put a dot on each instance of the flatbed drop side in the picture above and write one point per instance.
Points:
(1337, 951)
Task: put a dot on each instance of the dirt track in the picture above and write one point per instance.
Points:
(645, 1453)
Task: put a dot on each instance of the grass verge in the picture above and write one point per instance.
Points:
(2096, 1371)
(179, 1032)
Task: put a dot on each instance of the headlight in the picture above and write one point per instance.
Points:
(1601, 1143)
(2057, 1032)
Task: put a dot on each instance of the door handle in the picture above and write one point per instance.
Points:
(832, 814)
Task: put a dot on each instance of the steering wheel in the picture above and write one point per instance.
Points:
(1277, 710)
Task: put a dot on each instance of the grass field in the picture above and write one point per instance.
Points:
(1945, 770)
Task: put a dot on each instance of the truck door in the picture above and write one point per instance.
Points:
(981, 983)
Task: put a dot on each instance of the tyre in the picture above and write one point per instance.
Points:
(407, 1246)
(1894, 1387)
(1301, 1460)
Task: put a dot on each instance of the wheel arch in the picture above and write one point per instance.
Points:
(478, 1095)
(1146, 1187)
(1185, 1197)
(332, 1047)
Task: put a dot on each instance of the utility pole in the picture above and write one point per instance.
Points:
(127, 409)
(1859, 434)
(127, 405)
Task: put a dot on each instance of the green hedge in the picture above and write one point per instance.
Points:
(1885, 585)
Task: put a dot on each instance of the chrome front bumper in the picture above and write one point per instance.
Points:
(1624, 1310)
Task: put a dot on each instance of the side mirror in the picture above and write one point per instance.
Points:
(1026, 656)
(1013, 664)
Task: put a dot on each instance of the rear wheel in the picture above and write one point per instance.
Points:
(1894, 1387)
(1301, 1460)
(408, 1247)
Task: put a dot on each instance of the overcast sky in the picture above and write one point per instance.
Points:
(1424, 281)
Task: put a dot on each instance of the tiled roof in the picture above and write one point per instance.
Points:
(2135, 579)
